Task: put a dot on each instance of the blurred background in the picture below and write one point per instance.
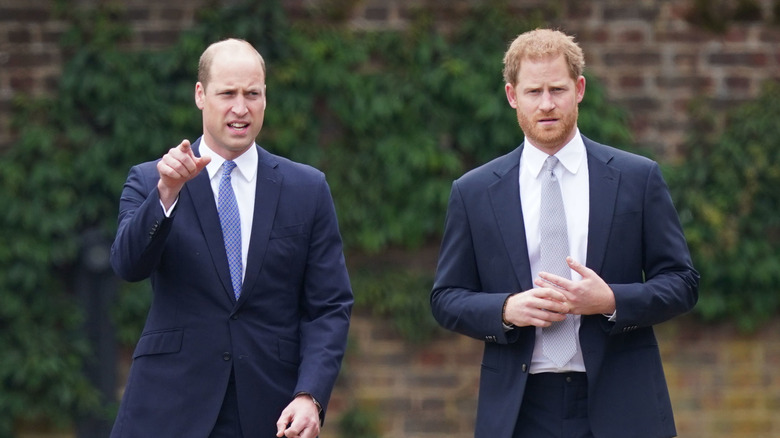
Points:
(392, 100)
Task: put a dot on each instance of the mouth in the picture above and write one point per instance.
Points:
(238, 125)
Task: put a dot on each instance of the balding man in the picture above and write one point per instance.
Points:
(251, 297)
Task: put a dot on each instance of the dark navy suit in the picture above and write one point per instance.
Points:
(635, 243)
(286, 333)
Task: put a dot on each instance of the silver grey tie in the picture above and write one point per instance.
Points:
(558, 340)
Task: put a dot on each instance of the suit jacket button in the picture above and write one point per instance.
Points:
(234, 317)
(524, 367)
(226, 356)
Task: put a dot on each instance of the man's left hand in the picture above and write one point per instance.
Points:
(301, 419)
(589, 296)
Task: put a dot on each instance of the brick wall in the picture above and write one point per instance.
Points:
(723, 383)
(31, 58)
(652, 61)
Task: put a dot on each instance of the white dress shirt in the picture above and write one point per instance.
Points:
(572, 173)
(244, 187)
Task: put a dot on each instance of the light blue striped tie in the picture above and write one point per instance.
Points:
(231, 226)
(558, 340)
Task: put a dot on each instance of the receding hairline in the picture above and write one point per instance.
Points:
(208, 55)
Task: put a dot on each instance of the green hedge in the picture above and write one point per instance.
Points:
(728, 197)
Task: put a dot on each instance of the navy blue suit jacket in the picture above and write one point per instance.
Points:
(635, 243)
(286, 333)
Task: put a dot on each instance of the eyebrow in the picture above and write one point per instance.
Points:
(561, 84)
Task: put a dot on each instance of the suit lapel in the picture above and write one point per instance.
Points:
(603, 187)
(269, 187)
(199, 190)
(507, 208)
(604, 181)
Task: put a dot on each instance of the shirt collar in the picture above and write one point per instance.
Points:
(246, 163)
(570, 156)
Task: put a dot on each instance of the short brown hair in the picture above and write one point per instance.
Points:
(206, 59)
(541, 43)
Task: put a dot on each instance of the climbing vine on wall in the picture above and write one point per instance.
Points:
(391, 116)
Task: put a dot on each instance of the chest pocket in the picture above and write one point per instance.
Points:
(288, 231)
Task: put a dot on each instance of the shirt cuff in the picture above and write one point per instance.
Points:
(170, 210)
(507, 325)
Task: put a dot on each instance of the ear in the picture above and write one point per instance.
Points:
(510, 95)
(200, 95)
(580, 88)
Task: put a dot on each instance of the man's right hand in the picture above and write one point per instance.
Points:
(538, 307)
(177, 167)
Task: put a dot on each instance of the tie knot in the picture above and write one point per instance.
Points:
(228, 167)
(550, 163)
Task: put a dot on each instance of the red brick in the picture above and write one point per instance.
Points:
(630, 11)
(736, 34)
(19, 36)
(23, 83)
(634, 59)
(159, 37)
(173, 14)
(24, 14)
(738, 83)
(28, 60)
(632, 36)
(739, 59)
(631, 82)
(428, 358)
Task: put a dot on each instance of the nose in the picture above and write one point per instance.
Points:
(547, 103)
(239, 106)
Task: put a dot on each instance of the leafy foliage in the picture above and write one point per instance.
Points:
(360, 421)
(718, 15)
(391, 116)
(400, 296)
(728, 198)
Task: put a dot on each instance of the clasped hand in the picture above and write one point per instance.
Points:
(558, 296)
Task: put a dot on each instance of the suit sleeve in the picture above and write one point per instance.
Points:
(327, 303)
(143, 227)
(671, 283)
(457, 299)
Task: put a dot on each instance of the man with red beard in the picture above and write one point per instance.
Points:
(561, 256)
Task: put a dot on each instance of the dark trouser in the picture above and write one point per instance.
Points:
(228, 424)
(554, 406)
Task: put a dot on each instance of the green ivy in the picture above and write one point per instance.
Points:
(399, 296)
(360, 421)
(392, 117)
(728, 201)
(718, 15)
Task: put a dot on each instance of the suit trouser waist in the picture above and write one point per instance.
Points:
(555, 405)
